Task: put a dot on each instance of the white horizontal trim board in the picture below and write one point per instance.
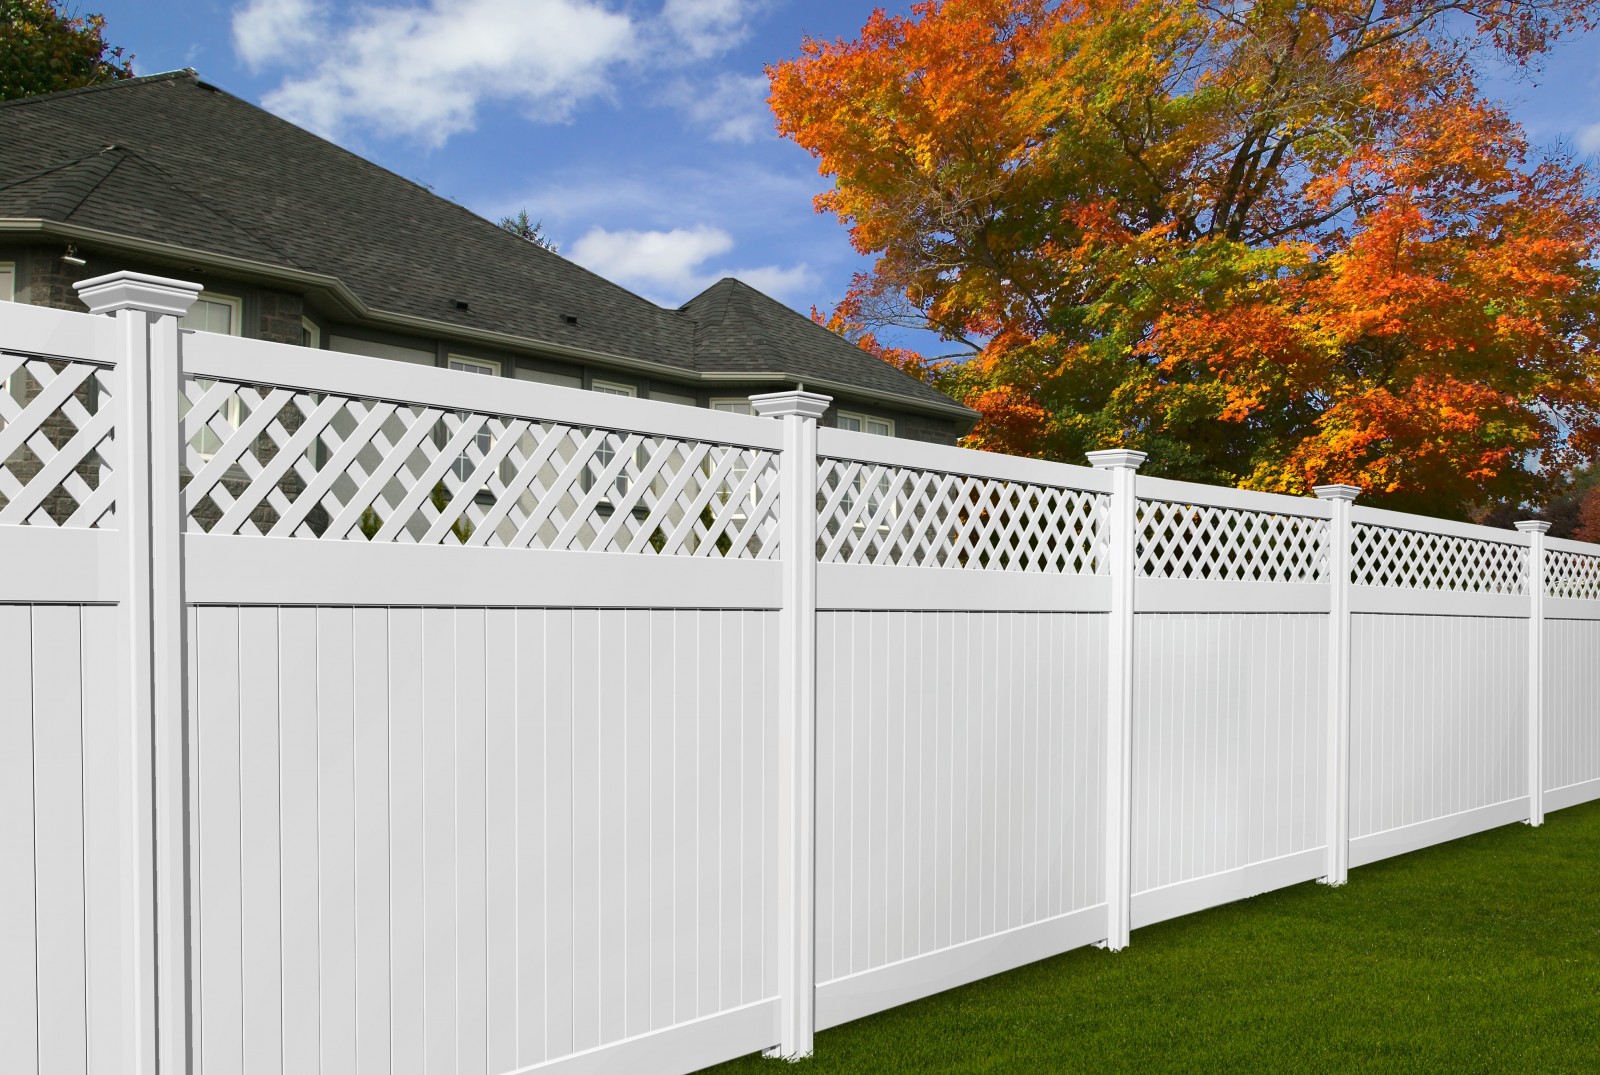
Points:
(61, 565)
(50, 333)
(688, 1046)
(1571, 608)
(1399, 520)
(915, 455)
(1213, 595)
(303, 571)
(889, 986)
(1582, 548)
(1415, 602)
(1186, 897)
(1439, 830)
(231, 358)
(1571, 795)
(866, 587)
(1217, 496)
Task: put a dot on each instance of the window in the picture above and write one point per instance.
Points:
(310, 334)
(740, 469)
(876, 493)
(483, 440)
(8, 293)
(563, 380)
(220, 314)
(605, 453)
(865, 423)
(214, 313)
(353, 345)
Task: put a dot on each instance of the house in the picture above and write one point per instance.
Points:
(296, 240)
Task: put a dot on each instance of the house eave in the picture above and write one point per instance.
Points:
(352, 306)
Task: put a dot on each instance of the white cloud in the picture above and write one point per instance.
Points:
(708, 27)
(421, 71)
(781, 283)
(652, 262)
(1589, 139)
(275, 31)
(733, 109)
(668, 266)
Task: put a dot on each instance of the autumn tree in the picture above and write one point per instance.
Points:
(44, 48)
(1274, 244)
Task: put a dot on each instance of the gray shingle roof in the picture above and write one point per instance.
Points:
(169, 158)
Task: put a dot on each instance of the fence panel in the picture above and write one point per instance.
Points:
(1439, 696)
(960, 798)
(66, 948)
(1572, 673)
(1229, 727)
(1230, 750)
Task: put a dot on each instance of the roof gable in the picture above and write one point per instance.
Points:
(169, 158)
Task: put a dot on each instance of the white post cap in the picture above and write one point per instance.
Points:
(1337, 492)
(1116, 459)
(1533, 526)
(784, 404)
(137, 291)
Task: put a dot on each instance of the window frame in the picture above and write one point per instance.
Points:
(235, 303)
(721, 403)
(864, 420)
(612, 388)
(483, 367)
(310, 328)
(232, 411)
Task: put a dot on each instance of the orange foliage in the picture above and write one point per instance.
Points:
(1273, 245)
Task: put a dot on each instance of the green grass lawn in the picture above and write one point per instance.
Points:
(1477, 955)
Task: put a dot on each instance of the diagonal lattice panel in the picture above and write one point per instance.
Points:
(1571, 574)
(877, 514)
(57, 443)
(277, 462)
(1416, 559)
(1193, 541)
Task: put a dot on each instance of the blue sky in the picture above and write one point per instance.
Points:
(636, 130)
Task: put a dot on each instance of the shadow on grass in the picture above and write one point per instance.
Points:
(1478, 955)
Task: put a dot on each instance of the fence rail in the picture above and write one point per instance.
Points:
(366, 717)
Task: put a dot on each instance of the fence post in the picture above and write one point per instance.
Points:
(1536, 530)
(1122, 555)
(797, 718)
(1341, 533)
(146, 309)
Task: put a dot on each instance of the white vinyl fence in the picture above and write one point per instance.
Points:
(358, 717)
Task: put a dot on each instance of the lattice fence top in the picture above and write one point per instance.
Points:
(1191, 541)
(274, 461)
(57, 443)
(1416, 559)
(1571, 574)
(870, 513)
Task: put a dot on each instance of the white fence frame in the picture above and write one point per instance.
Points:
(1026, 806)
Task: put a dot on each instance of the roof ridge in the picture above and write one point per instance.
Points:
(183, 190)
(7, 184)
(116, 83)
